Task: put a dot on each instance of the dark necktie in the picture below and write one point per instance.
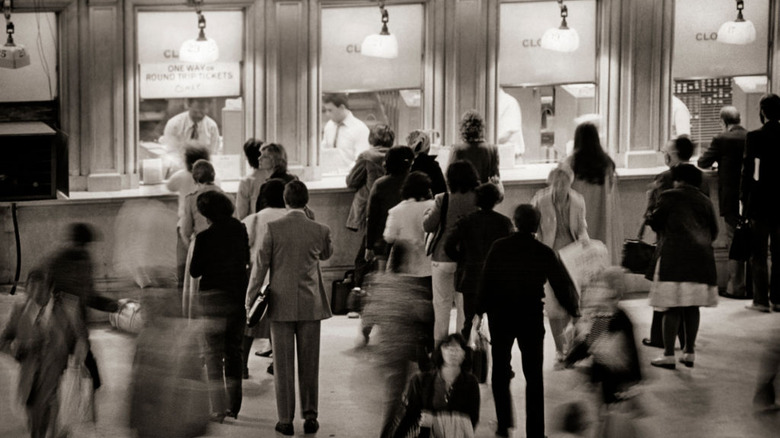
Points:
(336, 137)
(194, 134)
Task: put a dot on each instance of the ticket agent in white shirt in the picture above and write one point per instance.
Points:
(344, 136)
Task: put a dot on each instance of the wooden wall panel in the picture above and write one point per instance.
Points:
(291, 55)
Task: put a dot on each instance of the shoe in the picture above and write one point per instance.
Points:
(502, 432)
(217, 417)
(776, 307)
(230, 414)
(648, 343)
(270, 369)
(285, 429)
(353, 315)
(264, 353)
(246, 373)
(664, 362)
(687, 359)
(733, 296)
(311, 426)
(758, 307)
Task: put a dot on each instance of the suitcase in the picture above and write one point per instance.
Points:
(340, 292)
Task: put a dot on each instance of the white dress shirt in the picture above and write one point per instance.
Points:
(510, 122)
(342, 143)
(178, 133)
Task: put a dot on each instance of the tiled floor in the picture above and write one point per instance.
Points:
(712, 400)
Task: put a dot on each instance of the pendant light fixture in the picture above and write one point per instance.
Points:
(12, 55)
(200, 50)
(739, 31)
(383, 44)
(563, 38)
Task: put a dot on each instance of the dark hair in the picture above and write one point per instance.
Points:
(271, 194)
(526, 218)
(81, 233)
(215, 205)
(462, 176)
(193, 154)
(687, 173)
(438, 360)
(197, 100)
(770, 106)
(684, 147)
(278, 155)
(203, 172)
(337, 99)
(488, 195)
(730, 115)
(399, 160)
(381, 135)
(419, 141)
(417, 185)
(589, 161)
(472, 127)
(252, 152)
(296, 195)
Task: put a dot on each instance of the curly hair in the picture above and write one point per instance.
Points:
(472, 127)
(381, 135)
(589, 161)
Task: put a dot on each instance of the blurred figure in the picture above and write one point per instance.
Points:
(220, 257)
(686, 224)
(474, 149)
(469, 244)
(291, 251)
(183, 184)
(441, 221)
(765, 398)
(510, 123)
(420, 142)
(511, 293)
(595, 179)
(727, 149)
(400, 306)
(192, 128)
(41, 332)
(562, 223)
(249, 186)
(681, 118)
(445, 400)
(344, 136)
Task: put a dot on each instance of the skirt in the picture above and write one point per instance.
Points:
(666, 294)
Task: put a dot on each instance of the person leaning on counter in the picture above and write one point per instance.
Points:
(191, 128)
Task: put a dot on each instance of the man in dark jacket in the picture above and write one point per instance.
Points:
(727, 149)
(511, 293)
(760, 186)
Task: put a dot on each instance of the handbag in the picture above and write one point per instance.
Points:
(479, 358)
(637, 254)
(258, 309)
(129, 318)
(740, 244)
(432, 239)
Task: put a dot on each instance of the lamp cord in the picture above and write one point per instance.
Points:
(15, 220)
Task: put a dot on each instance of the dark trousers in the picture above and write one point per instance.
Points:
(224, 359)
(362, 267)
(299, 339)
(765, 235)
(528, 330)
(470, 302)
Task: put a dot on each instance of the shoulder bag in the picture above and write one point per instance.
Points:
(637, 254)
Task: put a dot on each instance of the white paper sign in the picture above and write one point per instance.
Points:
(179, 80)
(227, 167)
(584, 261)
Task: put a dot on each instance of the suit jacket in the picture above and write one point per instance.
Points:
(385, 194)
(543, 200)
(368, 168)
(727, 149)
(291, 251)
(759, 197)
(428, 165)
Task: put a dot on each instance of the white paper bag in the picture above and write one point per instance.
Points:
(584, 260)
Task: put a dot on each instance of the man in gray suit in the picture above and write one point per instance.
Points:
(291, 250)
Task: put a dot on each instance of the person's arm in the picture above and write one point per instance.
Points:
(327, 245)
(582, 224)
(188, 221)
(713, 220)
(657, 218)
(473, 400)
(358, 175)
(214, 143)
(261, 266)
(243, 199)
(453, 243)
(392, 227)
(487, 283)
(373, 219)
(176, 180)
(748, 170)
(710, 155)
(432, 217)
(199, 254)
(494, 165)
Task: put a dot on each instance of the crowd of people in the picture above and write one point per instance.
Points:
(429, 245)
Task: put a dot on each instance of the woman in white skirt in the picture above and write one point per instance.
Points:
(685, 277)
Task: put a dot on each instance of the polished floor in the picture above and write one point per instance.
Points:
(712, 400)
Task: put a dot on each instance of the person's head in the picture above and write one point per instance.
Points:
(252, 152)
(271, 195)
(193, 154)
(417, 186)
(487, 195)
(335, 106)
(560, 180)
(381, 136)
(196, 109)
(526, 219)
(39, 286)
(203, 172)
(462, 177)
(419, 141)
(399, 160)
(80, 234)
(453, 351)
(729, 116)
(296, 195)
(686, 174)
(215, 206)
(589, 161)
(770, 108)
(604, 290)
(472, 127)
(273, 157)
(678, 150)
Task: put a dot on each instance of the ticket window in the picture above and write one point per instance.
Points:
(708, 75)
(377, 90)
(544, 94)
(168, 88)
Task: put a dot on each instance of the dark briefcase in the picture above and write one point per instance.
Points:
(340, 293)
(637, 254)
(740, 244)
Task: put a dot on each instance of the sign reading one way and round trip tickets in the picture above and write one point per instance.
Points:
(180, 80)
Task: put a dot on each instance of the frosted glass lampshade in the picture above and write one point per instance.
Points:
(13, 56)
(380, 46)
(201, 50)
(737, 32)
(561, 39)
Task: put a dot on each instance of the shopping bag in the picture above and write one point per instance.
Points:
(740, 244)
(479, 359)
(637, 254)
(76, 398)
(584, 260)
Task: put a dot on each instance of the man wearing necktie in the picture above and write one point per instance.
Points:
(191, 128)
(344, 136)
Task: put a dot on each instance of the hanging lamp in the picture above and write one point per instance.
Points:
(201, 50)
(739, 31)
(12, 55)
(381, 45)
(563, 38)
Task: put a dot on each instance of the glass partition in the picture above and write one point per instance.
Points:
(374, 90)
(542, 93)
